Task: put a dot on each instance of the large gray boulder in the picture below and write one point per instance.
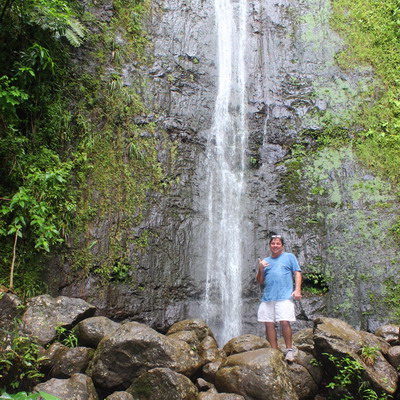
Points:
(69, 361)
(243, 343)
(254, 374)
(198, 326)
(209, 351)
(304, 340)
(163, 384)
(313, 367)
(45, 313)
(209, 371)
(189, 337)
(390, 333)
(338, 338)
(133, 349)
(91, 330)
(394, 357)
(302, 381)
(78, 387)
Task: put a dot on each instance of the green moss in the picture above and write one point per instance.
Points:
(392, 298)
(123, 165)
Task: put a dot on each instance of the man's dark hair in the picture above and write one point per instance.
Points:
(272, 237)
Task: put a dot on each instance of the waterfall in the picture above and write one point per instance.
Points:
(222, 307)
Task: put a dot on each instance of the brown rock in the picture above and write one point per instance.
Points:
(390, 333)
(163, 384)
(44, 314)
(209, 351)
(79, 386)
(133, 349)
(254, 373)
(394, 357)
(336, 337)
(91, 330)
(197, 325)
(245, 343)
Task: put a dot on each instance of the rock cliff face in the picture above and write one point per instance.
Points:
(334, 214)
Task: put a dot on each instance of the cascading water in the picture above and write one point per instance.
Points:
(222, 307)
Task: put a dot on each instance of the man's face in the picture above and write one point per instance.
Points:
(276, 247)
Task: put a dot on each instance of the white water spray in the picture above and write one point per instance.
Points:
(222, 307)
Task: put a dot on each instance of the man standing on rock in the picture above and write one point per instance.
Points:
(276, 274)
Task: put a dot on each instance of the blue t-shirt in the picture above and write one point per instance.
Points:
(278, 277)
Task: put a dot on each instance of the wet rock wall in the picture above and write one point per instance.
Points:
(333, 213)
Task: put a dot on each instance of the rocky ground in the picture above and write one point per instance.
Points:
(129, 360)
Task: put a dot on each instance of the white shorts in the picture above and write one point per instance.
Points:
(275, 311)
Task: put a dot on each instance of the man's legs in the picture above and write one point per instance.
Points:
(287, 333)
(270, 333)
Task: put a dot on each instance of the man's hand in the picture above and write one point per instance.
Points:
(260, 272)
(296, 295)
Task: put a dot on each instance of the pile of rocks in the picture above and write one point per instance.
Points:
(129, 360)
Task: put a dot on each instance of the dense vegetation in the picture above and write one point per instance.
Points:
(36, 161)
(371, 29)
(58, 120)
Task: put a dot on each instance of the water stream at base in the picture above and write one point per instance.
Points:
(222, 305)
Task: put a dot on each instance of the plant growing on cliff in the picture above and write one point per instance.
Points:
(368, 354)
(371, 29)
(348, 382)
(37, 167)
(66, 337)
(392, 298)
(19, 362)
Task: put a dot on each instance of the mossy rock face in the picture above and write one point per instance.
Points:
(163, 383)
(139, 246)
(349, 213)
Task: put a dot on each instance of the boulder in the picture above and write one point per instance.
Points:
(302, 381)
(209, 351)
(135, 348)
(304, 340)
(390, 333)
(44, 314)
(50, 353)
(91, 330)
(189, 337)
(210, 395)
(120, 396)
(210, 370)
(338, 338)
(394, 357)
(69, 361)
(371, 340)
(254, 373)
(309, 362)
(200, 328)
(204, 386)
(77, 387)
(162, 384)
(243, 343)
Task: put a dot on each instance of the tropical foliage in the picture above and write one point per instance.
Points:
(36, 170)
(371, 29)
(49, 129)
